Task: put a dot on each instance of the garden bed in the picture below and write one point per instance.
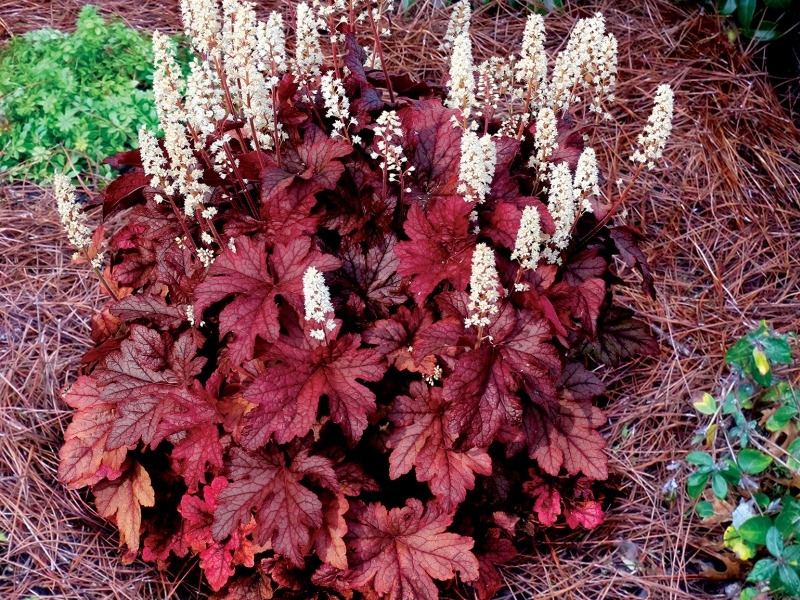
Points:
(722, 216)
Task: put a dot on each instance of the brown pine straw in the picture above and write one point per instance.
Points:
(722, 213)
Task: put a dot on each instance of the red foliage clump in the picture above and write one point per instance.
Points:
(398, 446)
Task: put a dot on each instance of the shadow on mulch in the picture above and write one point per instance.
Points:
(722, 215)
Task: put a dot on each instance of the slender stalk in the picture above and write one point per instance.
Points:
(379, 50)
(182, 222)
(105, 284)
(612, 210)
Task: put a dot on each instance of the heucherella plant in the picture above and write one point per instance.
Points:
(355, 318)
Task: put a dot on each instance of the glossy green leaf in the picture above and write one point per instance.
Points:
(701, 459)
(790, 580)
(781, 417)
(791, 554)
(726, 7)
(719, 486)
(731, 472)
(776, 349)
(761, 361)
(748, 594)
(774, 542)
(707, 405)
(732, 540)
(753, 461)
(766, 35)
(696, 483)
(762, 570)
(755, 529)
(704, 509)
(762, 500)
(740, 354)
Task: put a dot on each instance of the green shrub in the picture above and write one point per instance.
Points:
(67, 100)
(747, 472)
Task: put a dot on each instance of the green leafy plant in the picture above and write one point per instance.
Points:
(747, 473)
(755, 19)
(68, 100)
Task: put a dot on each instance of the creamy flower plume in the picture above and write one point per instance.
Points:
(387, 142)
(604, 77)
(458, 24)
(336, 103)
(659, 125)
(561, 204)
(483, 287)
(72, 217)
(575, 64)
(495, 79)
(545, 138)
(529, 239)
(461, 85)
(184, 170)
(204, 98)
(271, 45)
(240, 47)
(317, 298)
(308, 54)
(201, 23)
(153, 160)
(531, 68)
(476, 167)
(167, 81)
(586, 177)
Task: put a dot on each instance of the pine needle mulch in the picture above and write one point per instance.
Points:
(722, 215)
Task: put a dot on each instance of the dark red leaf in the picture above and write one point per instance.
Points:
(440, 247)
(150, 308)
(626, 239)
(286, 511)
(619, 336)
(125, 191)
(288, 394)
(256, 284)
(433, 147)
(567, 438)
(421, 439)
(495, 550)
(397, 553)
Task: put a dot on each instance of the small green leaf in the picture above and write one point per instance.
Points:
(731, 472)
(755, 529)
(740, 354)
(776, 349)
(719, 486)
(762, 500)
(701, 459)
(774, 542)
(766, 35)
(753, 461)
(781, 417)
(707, 405)
(696, 483)
(789, 579)
(3, 537)
(791, 555)
(704, 509)
(778, 3)
(748, 594)
(726, 7)
(762, 570)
